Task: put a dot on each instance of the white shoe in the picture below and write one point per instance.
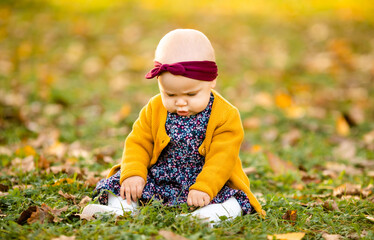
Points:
(91, 209)
(118, 202)
(212, 213)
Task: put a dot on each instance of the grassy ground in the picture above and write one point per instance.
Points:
(72, 84)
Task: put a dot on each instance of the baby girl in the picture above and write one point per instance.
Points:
(184, 147)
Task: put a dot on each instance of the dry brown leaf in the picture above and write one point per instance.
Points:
(168, 235)
(251, 123)
(26, 164)
(370, 218)
(68, 196)
(327, 236)
(43, 163)
(123, 113)
(290, 215)
(345, 150)
(291, 138)
(287, 236)
(92, 181)
(63, 237)
(279, 166)
(369, 137)
(348, 189)
(250, 170)
(4, 188)
(57, 149)
(84, 201)
(41, 214)
(330, 205)
(26, 215)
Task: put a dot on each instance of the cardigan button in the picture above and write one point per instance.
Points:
(203, 151)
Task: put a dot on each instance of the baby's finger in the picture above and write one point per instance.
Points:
(189, 200)
(139, 191)
(134, 194)
(122, 191)
(128, 195)
(201, 202)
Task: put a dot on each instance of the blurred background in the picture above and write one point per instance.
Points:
(300, 72)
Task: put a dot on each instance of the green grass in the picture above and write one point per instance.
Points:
(69, 72)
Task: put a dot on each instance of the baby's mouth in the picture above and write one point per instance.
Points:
(182, 113)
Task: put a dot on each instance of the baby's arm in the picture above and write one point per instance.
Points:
(198, 198)
(132, 188)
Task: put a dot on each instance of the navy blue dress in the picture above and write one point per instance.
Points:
(178, 166)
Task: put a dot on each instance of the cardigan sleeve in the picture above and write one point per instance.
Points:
(138, 147)
(222, 155)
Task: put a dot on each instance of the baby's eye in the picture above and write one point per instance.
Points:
(171, 95)
(191, 94)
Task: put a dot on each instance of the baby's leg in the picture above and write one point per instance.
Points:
(230, 209)
(116, 206)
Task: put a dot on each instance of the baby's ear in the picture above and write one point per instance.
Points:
(213, 83)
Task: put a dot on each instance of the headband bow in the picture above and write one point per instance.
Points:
(199, 70)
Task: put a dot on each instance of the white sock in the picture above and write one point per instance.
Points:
(212, 213)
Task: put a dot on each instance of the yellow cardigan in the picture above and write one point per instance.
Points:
(220, 148)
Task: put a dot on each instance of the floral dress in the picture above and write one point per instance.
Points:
(178, 166)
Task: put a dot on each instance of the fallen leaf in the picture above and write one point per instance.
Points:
(290, 215)
(63, 180)
(283, 100)
(369, 137)
(84, 201)
(26, 151)
(168, 235)
(330, 205)
(279, 166)
(43, 163)
(63, 237)
(40, 214)
(342, 126)
(291, 138)
(123, 113)
(26, 215)
(327, 236)
(250, 170)
(287, 236)
(370, 218)
(348, 189)
(92, 181)
(4, 188)
(251, 123)
(26, 164)
(345, 150)
(67, 196)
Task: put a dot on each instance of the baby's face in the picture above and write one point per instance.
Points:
(182, 95)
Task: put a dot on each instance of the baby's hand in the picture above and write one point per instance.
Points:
(132, 188)
(198, 198)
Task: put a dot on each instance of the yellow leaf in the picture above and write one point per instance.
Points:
(26, 151)
(287, 236)
(122, 113)
(63, 180)
(342, 126)
(256, 148)
(278, 165)
(283, 100)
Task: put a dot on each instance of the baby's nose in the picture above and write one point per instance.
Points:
(180, 102)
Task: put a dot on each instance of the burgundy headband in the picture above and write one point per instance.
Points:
(199, 70)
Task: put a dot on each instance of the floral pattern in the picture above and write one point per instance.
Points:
(178, 166)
